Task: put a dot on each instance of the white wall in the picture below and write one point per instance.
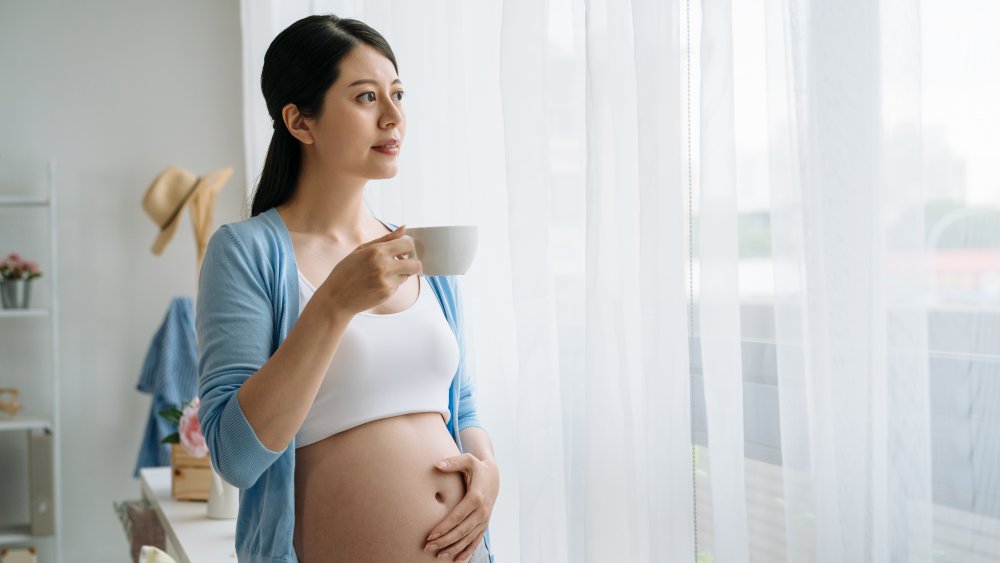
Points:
(114, 91)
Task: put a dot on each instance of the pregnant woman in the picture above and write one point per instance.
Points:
(334, 391)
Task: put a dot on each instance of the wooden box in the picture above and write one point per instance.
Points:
(18, 555)
(191, 477)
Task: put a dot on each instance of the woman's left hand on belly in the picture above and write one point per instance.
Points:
(458, 535)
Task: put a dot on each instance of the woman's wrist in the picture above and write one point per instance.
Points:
(331, 308)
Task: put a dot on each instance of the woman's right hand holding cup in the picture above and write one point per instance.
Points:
(371, 273)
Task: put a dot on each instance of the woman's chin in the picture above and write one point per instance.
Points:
(384, 173)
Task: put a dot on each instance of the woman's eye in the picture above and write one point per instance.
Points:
(370, 96)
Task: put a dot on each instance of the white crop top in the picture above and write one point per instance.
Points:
(385, 365)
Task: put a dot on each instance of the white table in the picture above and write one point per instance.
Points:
(194, 537)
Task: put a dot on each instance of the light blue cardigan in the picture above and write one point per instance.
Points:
(248, 301)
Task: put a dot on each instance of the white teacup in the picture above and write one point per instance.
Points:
(446, 250)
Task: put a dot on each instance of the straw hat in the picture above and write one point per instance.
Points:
(171, 191)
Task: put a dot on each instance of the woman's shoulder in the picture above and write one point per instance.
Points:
(262, 224)
(253, 231)
(257, 239)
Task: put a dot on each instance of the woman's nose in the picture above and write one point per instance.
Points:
(391, 115)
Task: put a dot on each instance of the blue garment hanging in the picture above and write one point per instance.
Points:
(170, 375)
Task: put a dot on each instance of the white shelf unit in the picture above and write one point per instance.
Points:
(15, 535)
(25, 422)
(41, 425)
(23, 313)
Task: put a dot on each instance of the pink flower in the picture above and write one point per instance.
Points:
(190, 430)
(15, 268)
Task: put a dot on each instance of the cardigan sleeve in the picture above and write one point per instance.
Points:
(467, 412)
(235, 326)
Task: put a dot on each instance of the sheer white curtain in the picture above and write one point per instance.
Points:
(848, 382)
(636, 431)
(555, 127)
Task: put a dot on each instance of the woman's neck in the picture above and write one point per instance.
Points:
(331, 207)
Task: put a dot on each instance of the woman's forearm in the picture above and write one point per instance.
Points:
(477, 442)
(277, 398)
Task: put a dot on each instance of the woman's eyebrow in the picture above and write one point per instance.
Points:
(370, 81)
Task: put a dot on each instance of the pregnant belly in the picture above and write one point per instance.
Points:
(372, 493)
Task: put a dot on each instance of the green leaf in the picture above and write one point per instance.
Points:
(174, 438)
(171, 415)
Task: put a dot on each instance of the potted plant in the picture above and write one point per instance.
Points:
(191, 475)
(16, 275)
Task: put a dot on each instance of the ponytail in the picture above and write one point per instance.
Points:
(281, 171)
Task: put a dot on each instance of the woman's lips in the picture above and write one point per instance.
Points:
(391, 150)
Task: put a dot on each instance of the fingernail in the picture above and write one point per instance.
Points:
(443, 555)
(442, 464)
(434, 537)
(431, 547)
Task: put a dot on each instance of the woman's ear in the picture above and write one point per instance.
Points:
(297, 124)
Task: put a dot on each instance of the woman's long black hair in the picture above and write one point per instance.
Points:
(300, 65)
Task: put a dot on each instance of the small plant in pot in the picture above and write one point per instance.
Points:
(16, 275)
(192, 471)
